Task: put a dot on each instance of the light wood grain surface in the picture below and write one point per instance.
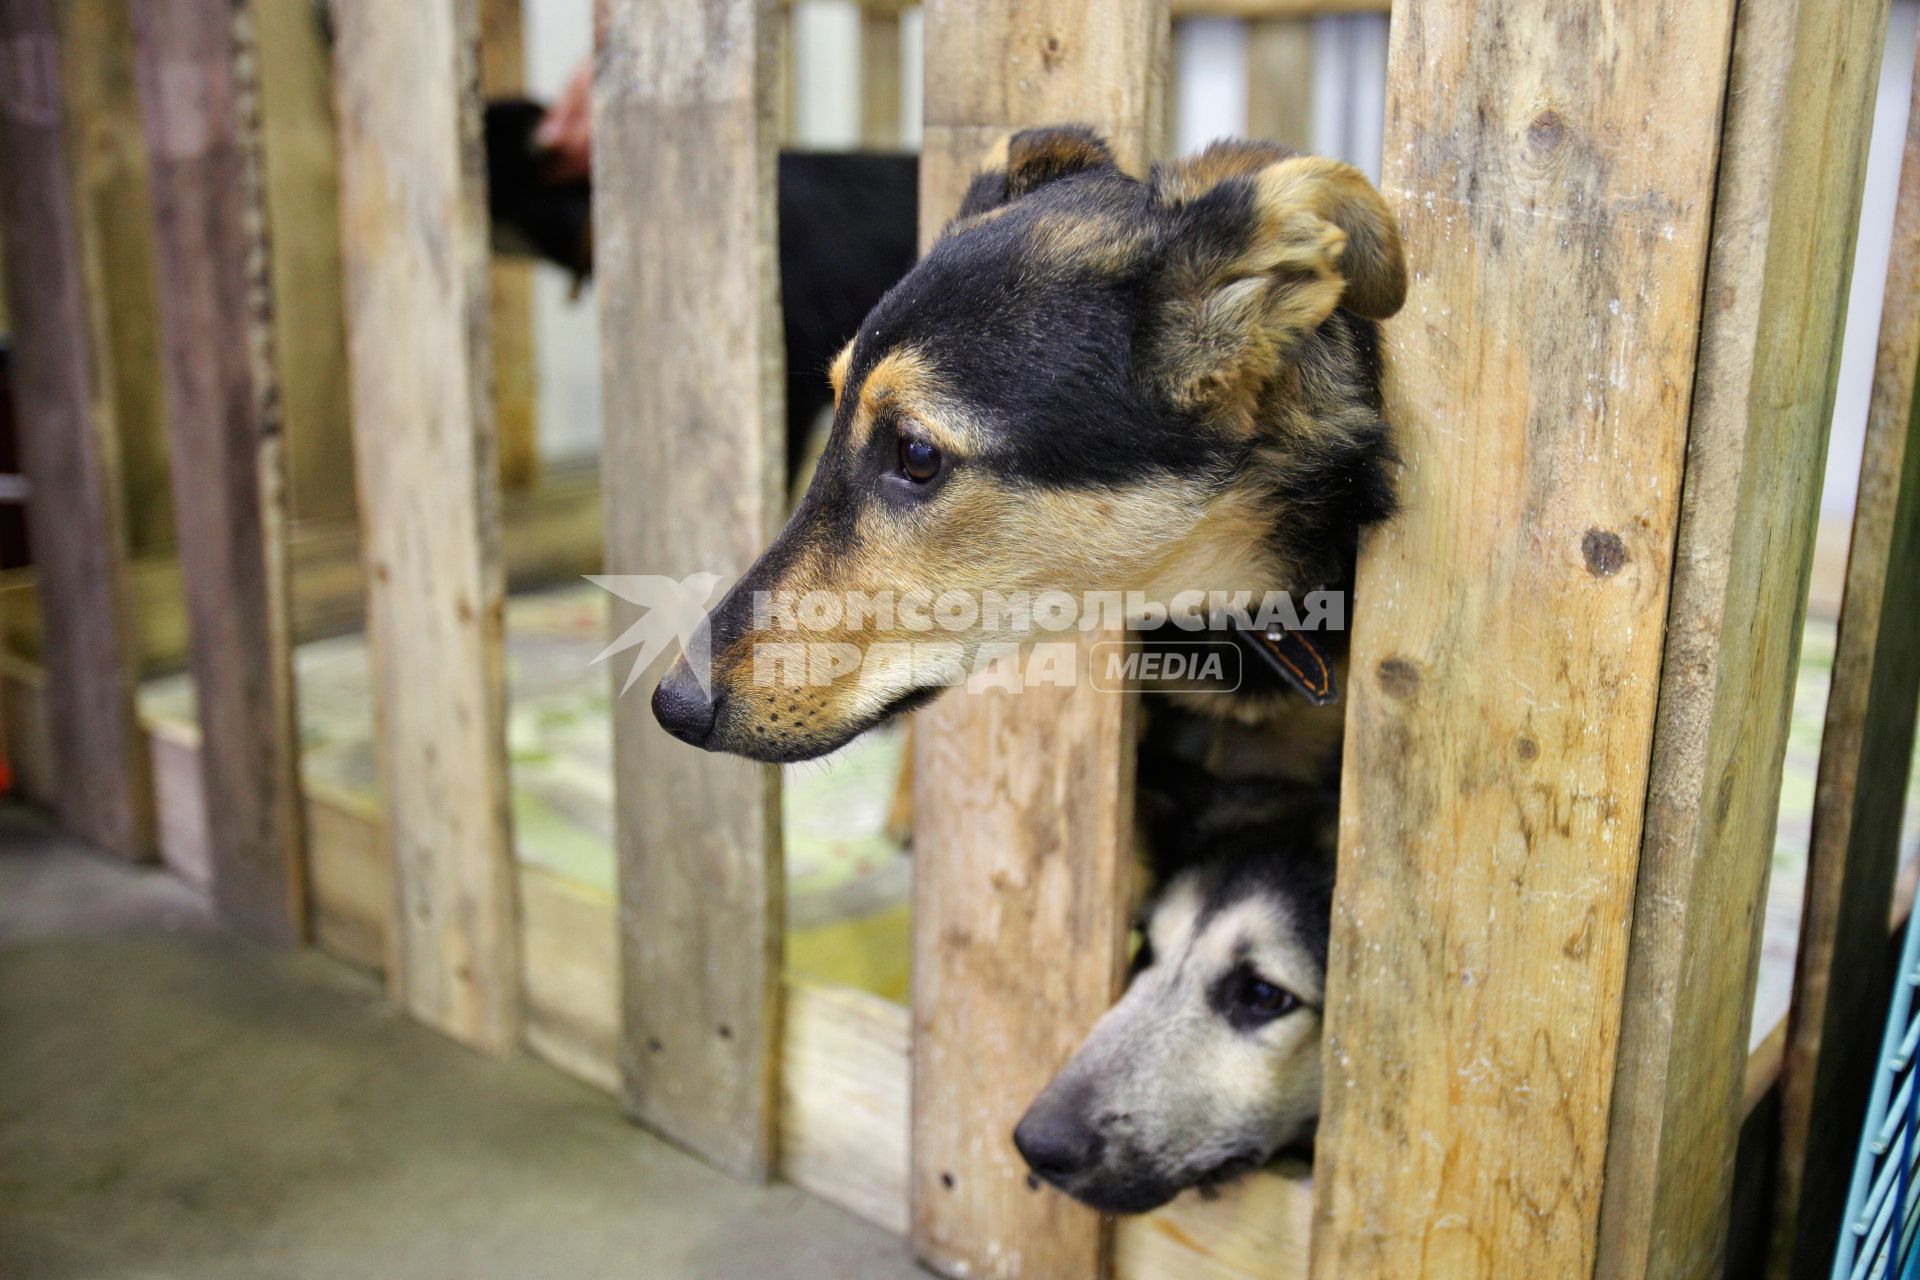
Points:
(414, 214)
(1280, 63)
(694, 468)
(1023, 803)
(1509, 625)
(1792, 166)
(309, 297)
(503, 74)
(880, 81)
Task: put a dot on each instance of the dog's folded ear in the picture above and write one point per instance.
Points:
(1032, 158)
(1264, 246)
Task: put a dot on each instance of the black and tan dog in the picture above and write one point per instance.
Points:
(1090, 383)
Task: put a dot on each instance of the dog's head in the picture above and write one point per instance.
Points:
(1209, 1064)
(1089, 384)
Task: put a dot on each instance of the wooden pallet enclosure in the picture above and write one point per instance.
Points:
(1569, 685)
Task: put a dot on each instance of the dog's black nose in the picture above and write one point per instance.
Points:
(682, 707)
(1057, 1142)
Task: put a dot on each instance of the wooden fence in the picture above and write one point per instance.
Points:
(1573, 653)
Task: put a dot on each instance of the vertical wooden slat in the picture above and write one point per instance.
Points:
(68, 450)
(783, 78)
(1792, 165)
(1280, 81)
(197, 88)
(879, 80)
(113, 205)
(414, 217)
(503, 73)
(1553, 171)
(1023, 820)
(309, 298)
(1865, 752)
(684, 178)
(1023, 804)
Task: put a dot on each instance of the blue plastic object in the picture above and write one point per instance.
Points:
(1883, 1204)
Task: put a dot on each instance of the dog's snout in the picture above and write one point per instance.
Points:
(682, 707)
(1058, 1142)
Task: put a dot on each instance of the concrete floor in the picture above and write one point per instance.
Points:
(175, 1102)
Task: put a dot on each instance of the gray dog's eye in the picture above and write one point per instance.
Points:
(1264, 997)
(1249, 1000)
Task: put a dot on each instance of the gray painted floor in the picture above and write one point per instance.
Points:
(175, 1102)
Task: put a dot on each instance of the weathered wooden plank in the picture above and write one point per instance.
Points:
(844, 1112)
(350, 879)
(1280, 81)
(1256, 1228)
(1865, 750)
(309, 300)
(503, 73)
(113, 203)
(414, 213)
(1273, 9)
(1253, 9)
(570, 973)
(1005, 782)
(1005, 787)
(180, 806)
(1553, 170)
(879, 81)
(64, 413)
(783, 76)
(1792, 164)
(694, 462)
(197, 86)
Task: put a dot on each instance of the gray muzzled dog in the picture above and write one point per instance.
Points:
(1209, 1065)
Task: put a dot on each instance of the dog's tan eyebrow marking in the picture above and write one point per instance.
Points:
(837, 371)
(901, 383)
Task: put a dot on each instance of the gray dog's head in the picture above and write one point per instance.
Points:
(1210, 1063)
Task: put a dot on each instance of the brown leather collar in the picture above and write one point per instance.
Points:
(1298, 658)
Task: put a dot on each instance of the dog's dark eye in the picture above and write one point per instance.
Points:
(1260, 999)
(919, 461)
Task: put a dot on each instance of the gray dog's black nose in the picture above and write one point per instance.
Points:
(1057, 1143)
(682, 707)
